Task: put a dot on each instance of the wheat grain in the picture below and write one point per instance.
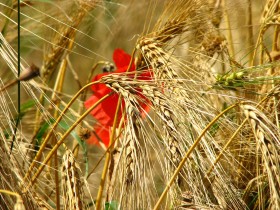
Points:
(19, 204)
(64, 41)
(112, 173)
(170, 137)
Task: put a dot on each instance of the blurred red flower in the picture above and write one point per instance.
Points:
(104, 113)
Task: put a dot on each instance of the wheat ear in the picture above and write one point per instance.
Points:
(267, 137)
(71, 184)
(131, 156)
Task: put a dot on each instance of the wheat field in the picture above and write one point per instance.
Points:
(153, 104)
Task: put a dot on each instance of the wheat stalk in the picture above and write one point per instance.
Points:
(269, 17)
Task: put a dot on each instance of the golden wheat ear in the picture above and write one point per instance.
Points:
(267, 137)
(72, 187)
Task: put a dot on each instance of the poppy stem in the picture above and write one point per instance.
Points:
(61, 141)
(181, 164)
(43, 145)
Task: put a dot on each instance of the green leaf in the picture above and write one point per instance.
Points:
(112, 205)
(28, 104)
(24, 108)
(41, 133)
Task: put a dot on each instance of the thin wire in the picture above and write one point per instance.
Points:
(18, 66)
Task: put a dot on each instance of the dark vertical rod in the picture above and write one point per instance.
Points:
(18, 28)
(18, 66)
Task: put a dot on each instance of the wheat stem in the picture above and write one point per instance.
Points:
(43, 145)
(225, 147)
(250, 34)
(107, 150)
(8, 192)
(231, 138)
(230, 39)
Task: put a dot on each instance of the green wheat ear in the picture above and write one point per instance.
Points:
(231, 81)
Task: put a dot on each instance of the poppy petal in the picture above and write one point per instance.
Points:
(121, 58)
(98, 112)
(104, 112)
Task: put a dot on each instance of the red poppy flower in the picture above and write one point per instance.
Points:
(104, 113)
